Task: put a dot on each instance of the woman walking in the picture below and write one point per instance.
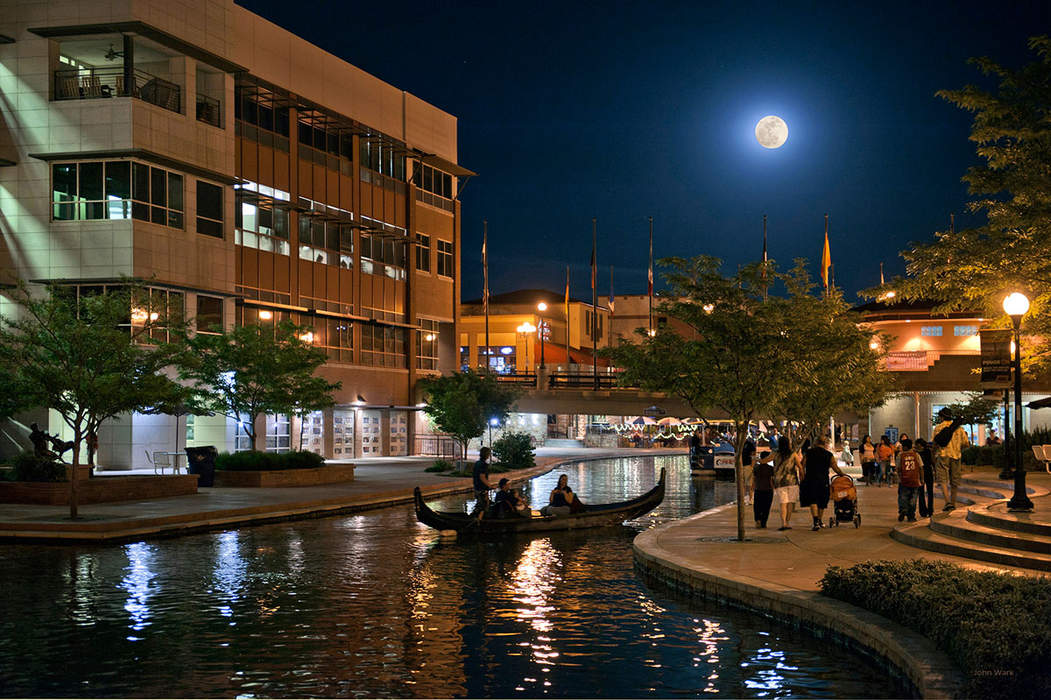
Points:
(786, 479)
(813, 489)
(868, 459)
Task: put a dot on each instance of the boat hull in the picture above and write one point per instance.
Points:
(595, 516)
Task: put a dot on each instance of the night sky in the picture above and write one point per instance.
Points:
(621, 111)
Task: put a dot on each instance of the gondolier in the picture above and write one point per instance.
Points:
(480, 475)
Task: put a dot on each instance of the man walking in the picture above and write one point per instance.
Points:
(910, 481)
(948, 442)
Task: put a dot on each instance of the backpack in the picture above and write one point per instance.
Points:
(909, 474)
(944, 436)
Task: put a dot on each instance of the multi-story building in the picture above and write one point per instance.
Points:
(246, 176)
(518, 321)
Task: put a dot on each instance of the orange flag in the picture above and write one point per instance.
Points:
(826, 257)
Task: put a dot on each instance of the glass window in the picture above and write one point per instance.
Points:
(931, 331)
(423, 252)
(445, 265)
(118, 180)
(116, 190)
(209, 314)
(964, 330)
(209, 209)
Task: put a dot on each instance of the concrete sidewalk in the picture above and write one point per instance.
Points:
(778, 573)
(378, 482)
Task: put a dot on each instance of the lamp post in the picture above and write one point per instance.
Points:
(526, 329)
(541, 308)
(1016, 304)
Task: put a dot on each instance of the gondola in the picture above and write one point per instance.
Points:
(607, 514)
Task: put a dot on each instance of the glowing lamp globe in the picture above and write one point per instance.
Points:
(541, 306)
(1016, 304)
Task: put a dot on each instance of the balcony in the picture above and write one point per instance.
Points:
(209, 110)
(98, 83)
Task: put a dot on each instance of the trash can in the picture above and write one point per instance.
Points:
(201, 461)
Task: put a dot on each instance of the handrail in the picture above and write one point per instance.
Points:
(94, 83)
(209, 110)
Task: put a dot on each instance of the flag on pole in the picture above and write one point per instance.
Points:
(826, 257)
(610, 290)
(567, 287)
(593, 265)
(649, 273)
(485, 271)
(881, 274)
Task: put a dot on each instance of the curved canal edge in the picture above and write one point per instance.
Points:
(911, 657)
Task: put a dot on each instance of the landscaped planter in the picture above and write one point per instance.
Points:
(101, 489)
(286, 477)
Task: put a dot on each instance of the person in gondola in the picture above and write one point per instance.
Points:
(561, 499)
(507, 502)
(695, 448)
(480, 476)
(814, 488)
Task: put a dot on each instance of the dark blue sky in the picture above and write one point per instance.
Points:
(624, 110)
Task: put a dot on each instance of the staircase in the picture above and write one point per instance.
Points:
(985, 530)
(562, 442)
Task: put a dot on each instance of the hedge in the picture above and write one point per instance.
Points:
(515, 451)
(268, 461)
(26, 466)
(994, 626)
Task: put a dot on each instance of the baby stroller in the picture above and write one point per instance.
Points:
(844, 501)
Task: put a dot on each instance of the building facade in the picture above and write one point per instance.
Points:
(246, 176)
(935, 359)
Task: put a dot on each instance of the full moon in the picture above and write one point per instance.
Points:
(771, 132)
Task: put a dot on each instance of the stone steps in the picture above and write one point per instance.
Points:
(923, 537)
(984, 530)
(562, 442)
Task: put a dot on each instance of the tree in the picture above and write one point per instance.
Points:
(974, 269)
(88, 359)
(311, 395)
(462, 404)
(754, 353)
(977, 409)
(834, 362)
(255, 370)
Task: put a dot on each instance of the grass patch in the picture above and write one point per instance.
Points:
(995, 627)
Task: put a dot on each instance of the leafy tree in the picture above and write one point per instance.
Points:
(462, 404)
(753, 354)
(87, 359)
(833, 362)
(310, 396)
(977, 409)
(255, 370)
(974, 269)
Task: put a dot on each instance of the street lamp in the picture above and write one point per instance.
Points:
(526, 329)
(541, 308)
(1015, 305)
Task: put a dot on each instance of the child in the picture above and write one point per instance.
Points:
(910, 481)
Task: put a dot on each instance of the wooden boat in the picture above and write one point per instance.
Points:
(593, 516)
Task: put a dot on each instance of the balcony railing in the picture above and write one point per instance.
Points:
(78, 84)
(209, 110)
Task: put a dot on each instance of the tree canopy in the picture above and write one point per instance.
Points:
(255, 370)
(462, 404)
(755, 355)
(975, 268)
(88, 359)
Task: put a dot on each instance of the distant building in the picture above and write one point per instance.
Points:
(567, 342)
(935, 359)
(249, 177)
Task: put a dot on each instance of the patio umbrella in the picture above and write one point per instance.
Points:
(1040, 403)
(669, 421)
(643, 420)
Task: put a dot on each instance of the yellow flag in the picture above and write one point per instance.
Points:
(826, 262)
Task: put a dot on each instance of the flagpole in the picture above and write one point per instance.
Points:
(568, 359)
(610, 306)
(650, 278)
(594, 301)
(765, 287)
(485, 286)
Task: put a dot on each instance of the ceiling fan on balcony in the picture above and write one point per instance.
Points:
(112, 55)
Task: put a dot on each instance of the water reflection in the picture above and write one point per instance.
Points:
(375, 605)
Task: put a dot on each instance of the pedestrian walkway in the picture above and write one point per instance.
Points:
(779, 573)
(378, 482)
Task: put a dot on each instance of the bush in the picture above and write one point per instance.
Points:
(28, 467)
(268, 461)
(440, 465)
(514, 451)
(994, 626)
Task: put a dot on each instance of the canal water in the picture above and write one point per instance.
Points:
(373, 605)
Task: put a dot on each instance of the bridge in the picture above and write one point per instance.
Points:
(579, 393)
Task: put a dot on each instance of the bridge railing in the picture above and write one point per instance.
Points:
(566, 380)
(525, 379)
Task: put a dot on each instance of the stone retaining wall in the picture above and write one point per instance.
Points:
(277, 478)
(99, 489)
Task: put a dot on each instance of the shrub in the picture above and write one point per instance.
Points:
(440, 465)
(268, 461)
(514, 451)
(994, 626)
(28, 467)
